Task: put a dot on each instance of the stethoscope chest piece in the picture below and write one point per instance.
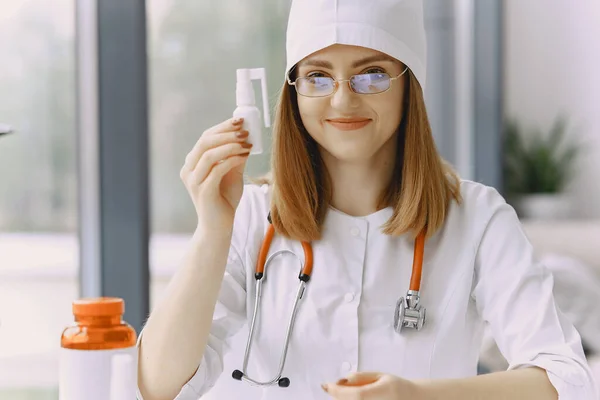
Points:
(409, 313)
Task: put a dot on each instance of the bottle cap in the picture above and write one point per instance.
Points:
(99, 307)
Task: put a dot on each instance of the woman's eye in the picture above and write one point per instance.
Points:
(374, 71)
(315, 75)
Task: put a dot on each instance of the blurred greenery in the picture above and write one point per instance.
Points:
(536, 161)
(38, 191)
(194, 48)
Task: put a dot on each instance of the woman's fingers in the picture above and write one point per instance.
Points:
(222, 168)
(358, 385)
(217, 155)
(230, 124)
(360, 378)
(211, 142)
(225, 132)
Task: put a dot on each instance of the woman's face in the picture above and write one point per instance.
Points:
(352, 127)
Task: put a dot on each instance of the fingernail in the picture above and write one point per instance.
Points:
(237, 121)
(241, 134)
(342, 382)
(247, 145)
(324, 386)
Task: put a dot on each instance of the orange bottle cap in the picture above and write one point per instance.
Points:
(99, 307)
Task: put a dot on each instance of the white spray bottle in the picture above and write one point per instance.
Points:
(246, 108)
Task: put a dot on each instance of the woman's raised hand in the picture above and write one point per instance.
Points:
(213, 174)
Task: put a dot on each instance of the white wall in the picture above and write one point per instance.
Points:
(552, 65)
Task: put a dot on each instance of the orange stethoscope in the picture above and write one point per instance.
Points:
(408, 312)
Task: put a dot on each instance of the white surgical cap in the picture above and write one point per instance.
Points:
(393, 27)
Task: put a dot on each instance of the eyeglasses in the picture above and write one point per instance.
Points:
(321, 86)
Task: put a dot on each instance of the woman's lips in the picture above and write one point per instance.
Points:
(349, 124)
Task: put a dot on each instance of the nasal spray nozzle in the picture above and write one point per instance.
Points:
(246, 108)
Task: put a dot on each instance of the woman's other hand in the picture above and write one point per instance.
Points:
(374, 386)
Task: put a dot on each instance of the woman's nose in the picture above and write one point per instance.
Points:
(344, 98)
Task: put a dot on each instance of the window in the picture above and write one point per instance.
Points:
(195, 48)
(38, 193)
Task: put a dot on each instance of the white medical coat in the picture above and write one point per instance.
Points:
(479, 268)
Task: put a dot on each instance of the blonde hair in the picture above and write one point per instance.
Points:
(421, 189)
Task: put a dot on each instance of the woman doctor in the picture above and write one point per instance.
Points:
(355, 173)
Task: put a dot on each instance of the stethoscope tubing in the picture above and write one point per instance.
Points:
(299, 296)
(304, 276)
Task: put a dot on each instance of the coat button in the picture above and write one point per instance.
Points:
(355, 231)
(346, 366)
(349, 297)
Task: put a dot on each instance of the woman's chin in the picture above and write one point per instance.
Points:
(349, 152)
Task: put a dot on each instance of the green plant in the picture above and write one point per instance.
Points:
(537, 162)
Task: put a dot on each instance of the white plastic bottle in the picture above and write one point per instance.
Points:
(246, 105)
(98, 355)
